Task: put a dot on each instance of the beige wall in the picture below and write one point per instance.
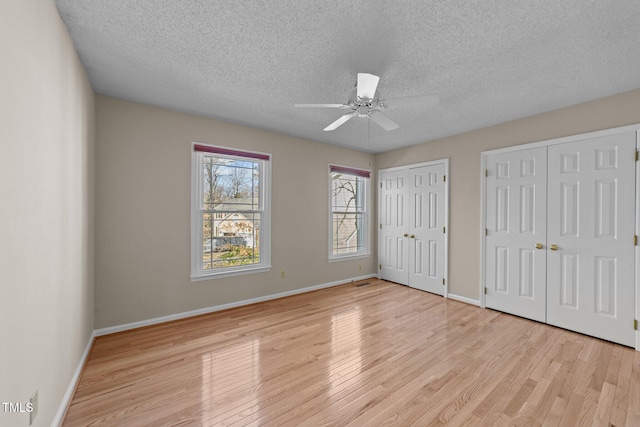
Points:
(465, 176)
(143, 177)
(46, 209)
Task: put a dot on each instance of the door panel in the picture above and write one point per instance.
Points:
(515, 269)
(426, 247)
(394, 220)
(591, 219)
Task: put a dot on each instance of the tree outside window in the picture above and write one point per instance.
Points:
(230, 210)
(348, 212)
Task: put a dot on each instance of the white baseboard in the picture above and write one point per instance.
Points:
(68, 395)
(191, 313)
(463, 299)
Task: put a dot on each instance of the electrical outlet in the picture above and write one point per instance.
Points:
(34, 407)
(282, 274)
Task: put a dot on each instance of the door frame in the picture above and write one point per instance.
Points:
(547, 143)
(444, 162)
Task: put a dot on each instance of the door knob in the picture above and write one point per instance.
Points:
(553, 247)
(405, 234)
(538, 245)
(412, 236)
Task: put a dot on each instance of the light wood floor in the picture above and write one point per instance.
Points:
(381, 354)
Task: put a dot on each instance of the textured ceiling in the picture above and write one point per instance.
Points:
(249, 62)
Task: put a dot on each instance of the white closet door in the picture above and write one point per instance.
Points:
(426, 219)
(515, 269)
(394, 219)
(590, 276)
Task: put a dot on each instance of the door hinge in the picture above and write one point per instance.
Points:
(635, 324)
(486, 172)
(380, 184)
(444, 229)
(380, 226)
(637, 155)
(443, 281)
(444, 178)
(379, 266)
(635, 240)
(485, 290)
(486, 231)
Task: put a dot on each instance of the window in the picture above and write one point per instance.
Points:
(348, 216)
(230, 212)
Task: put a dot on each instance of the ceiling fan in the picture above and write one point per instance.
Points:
(366, 105)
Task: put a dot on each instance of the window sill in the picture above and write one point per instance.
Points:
(348, 257)
(228, 273)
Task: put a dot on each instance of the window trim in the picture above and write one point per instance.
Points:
(197, 273)
(366, 175)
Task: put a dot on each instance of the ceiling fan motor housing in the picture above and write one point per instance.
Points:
(366, 107)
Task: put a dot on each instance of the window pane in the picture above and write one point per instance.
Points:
(347, 193)
(348, 232)
(230, 184)
(229, 212)
(230, 238)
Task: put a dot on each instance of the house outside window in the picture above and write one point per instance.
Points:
(230, 224)
(348, 215)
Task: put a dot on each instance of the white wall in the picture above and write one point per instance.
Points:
(143, 207)
(46, 208)
(464, 150)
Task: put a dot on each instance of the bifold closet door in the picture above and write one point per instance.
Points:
(515, 258)
(394, 221)
(591, 227)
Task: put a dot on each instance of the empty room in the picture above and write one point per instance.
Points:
(336, 213)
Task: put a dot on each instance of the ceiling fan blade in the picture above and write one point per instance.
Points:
(322, 105)
(367, 85)
(420, 101)
(339, 122)
(384, 122)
